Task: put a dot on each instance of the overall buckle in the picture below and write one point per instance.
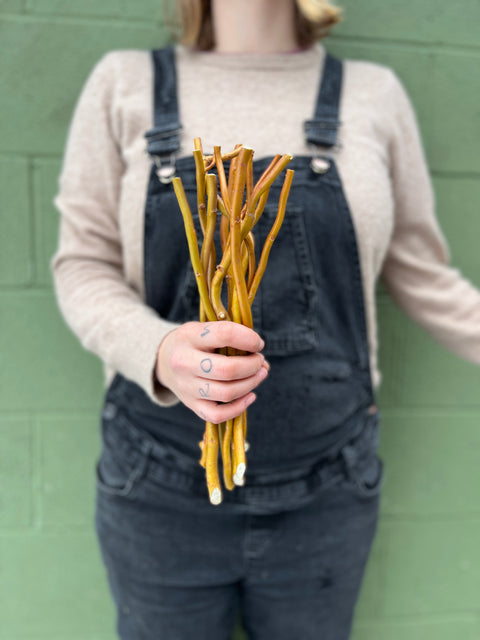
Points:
(165, 168)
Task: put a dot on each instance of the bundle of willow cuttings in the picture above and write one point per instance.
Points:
(240, 203)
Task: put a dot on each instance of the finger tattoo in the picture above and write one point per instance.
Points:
(206, 365)
(206, 331)
(204, 392)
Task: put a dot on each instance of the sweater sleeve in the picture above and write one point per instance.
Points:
(417, 272)
(104, 312)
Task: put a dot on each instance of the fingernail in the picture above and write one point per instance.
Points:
(261, 345)
(263, 373)
(268, 364)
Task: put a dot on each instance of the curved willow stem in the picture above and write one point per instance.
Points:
(222, 178)
(211, 465)
(227, 455)
(250, 244)
(241, 204)
(239, 447)
(193, 248)
(200, 176)
(262, 263)
(235, 234)
(226, 156)
(208, 243)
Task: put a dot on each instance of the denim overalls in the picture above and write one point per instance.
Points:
(313, 430)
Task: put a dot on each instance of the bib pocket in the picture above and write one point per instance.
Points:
(285, 308)
(287, 295)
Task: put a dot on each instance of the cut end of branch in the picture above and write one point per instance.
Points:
(238, 478)
(216, 496)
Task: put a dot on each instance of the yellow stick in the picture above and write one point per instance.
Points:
(250, 244)
(203, 447)
(235, 234)
(208, 243)
(193, 248)
(221, 178)
(239, 447)
(213, 479)
(200, 176)
(262, 263)
(227, 456)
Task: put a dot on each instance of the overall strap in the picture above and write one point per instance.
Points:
(164, 140)
(322, 129)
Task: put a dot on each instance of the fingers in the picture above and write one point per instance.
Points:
(216, 387)
(229, 391)
(214, 366)
(218, 413)
(214, 335)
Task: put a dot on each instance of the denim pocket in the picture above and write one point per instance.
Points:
(288, 297)
(121, 466)
(363, 467)
(285, 309)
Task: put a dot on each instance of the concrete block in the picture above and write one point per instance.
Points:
(16, 473)
(140, 9)
(431, 464)
(418, 629)
(16, 240)
(49, 370)
(12, 6)
(429, 22)
(45, 181)
(458, 203)
(435, 377)
(53, 585)
(391, 346)
(430, 566)
(49, 63)
(70, 446)
(454, 112)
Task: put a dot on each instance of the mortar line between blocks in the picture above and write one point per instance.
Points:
(37, 473)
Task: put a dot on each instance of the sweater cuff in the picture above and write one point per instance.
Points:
(156, 391)
(136, 358)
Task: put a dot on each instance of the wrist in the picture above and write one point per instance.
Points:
(159, 369)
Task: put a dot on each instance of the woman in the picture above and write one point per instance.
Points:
(288, 549)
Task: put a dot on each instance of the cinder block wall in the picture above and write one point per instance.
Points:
(424, 578)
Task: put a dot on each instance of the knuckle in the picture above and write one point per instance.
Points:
(225, 394)
(176, 361)
(224, 332)
(228, 368)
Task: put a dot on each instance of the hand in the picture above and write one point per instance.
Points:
(188, 365)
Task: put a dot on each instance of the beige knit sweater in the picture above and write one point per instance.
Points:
(261, 101)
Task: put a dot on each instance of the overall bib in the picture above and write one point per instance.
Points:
(313, 428)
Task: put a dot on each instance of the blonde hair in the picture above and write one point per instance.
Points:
(314, 20)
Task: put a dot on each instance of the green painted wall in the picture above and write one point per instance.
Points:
(424, 578)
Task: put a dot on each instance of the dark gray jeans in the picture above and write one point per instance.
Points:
(180, 568)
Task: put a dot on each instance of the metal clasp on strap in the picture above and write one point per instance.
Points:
(165, 168)
(319, 163)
